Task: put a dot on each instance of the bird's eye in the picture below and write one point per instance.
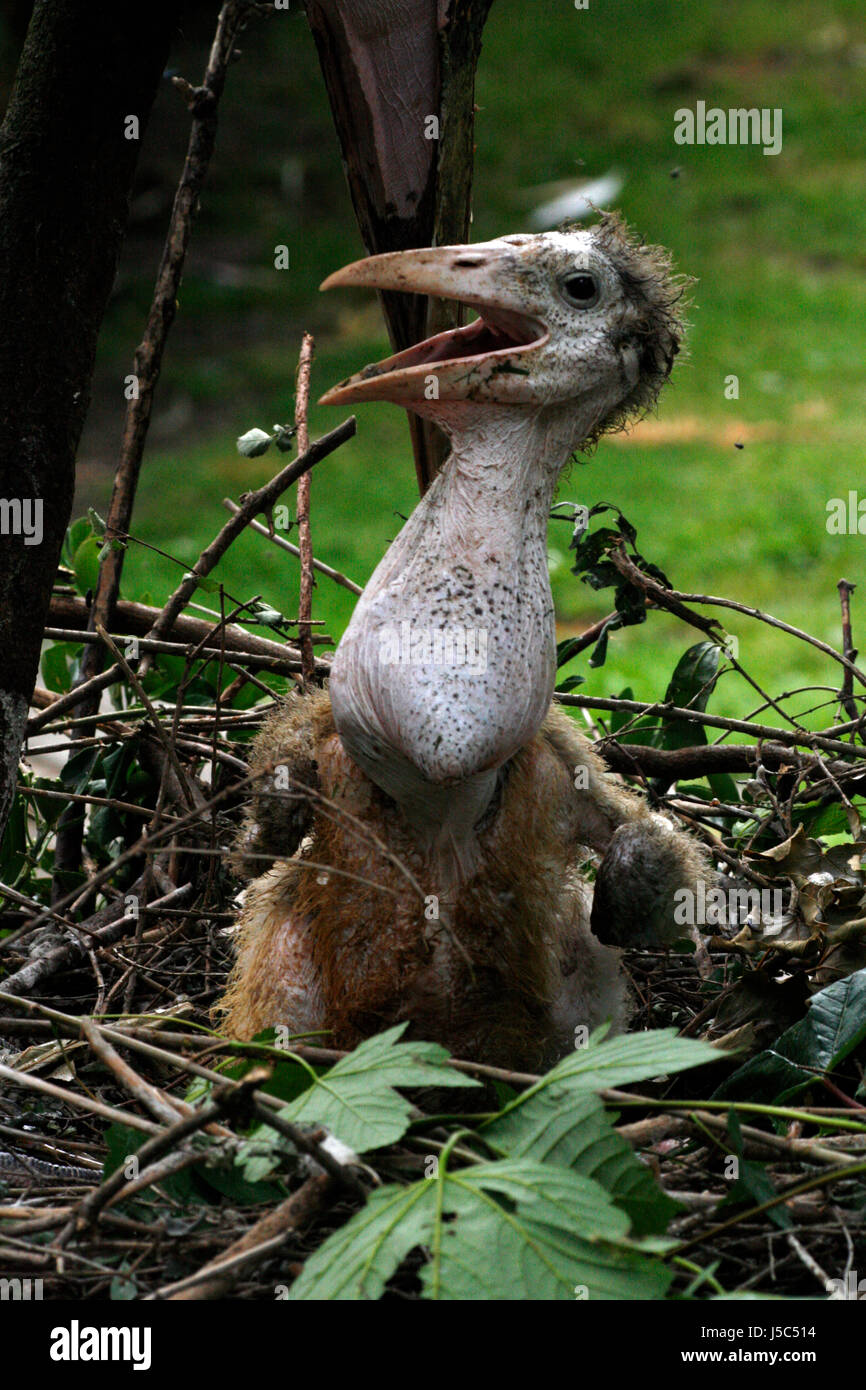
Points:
(581, 289)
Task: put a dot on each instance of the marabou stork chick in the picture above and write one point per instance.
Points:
(427, 816)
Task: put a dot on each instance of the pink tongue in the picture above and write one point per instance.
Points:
(495, 329)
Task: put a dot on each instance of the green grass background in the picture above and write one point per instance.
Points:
(777, 246)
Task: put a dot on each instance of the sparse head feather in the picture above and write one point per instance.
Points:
(659, 298)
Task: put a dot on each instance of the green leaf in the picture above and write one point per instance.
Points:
(116, 764)
(509, 1230)
(231, 1183)
(694, 676)
(105, 826)
(74, 536)
(48, 808)
(621, 717)
(819, 820)
(261, 1154)
(356, 1099)
(834, 1025)
(690, 687)
(120, 1143)
(207, 586)
(254, 443)
(561, 1120)
(565, 650)
(284, 437)
(77, 771)
(123, 1286)
(57, 664)
(85, 564)
(554, 1128)
(754, 1187)
(624, 1060)
(289, 1079)
(264, 613)
(594, 569)
(646, 729)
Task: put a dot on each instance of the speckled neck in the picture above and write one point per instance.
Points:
(447, 666)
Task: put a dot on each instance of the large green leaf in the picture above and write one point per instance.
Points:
(694, 676)
(579, 1134)
(85, 563)
(834, 1025)
(690, 687)
(621, 1061)
(515, 1229)
(356, 1099)
(57, 665)
(561, 1119)
(549, 1221)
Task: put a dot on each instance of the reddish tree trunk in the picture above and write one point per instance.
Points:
(401, 82)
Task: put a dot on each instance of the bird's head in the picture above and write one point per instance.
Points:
(590, 316)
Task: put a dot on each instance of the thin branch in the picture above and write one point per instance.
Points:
(667, 599)
(164, 1109)
(269, 1233)
(73, 697)
(794, 1190)
(203, 103)
(281, 541)
(702, 760)
(70, 952)
(767, 618)
(846, 694)
(78, 1101)
(791, 738)
(305, 540)
(71, 614)
(227, 1098)
(191, 794)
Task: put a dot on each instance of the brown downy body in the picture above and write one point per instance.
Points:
(339, 938)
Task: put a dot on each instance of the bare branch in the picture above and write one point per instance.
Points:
(305, 541)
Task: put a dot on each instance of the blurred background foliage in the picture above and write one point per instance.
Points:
(728, 496)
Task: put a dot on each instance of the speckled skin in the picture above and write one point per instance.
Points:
(439, 878)
(473, 556)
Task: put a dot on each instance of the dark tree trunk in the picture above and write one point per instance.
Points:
(389, 68)
(66, 170)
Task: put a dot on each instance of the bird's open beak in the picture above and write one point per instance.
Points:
(489, 359)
